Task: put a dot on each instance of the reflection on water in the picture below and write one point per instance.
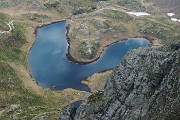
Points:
(50, 67)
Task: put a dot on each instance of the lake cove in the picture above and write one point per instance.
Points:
(50, 67)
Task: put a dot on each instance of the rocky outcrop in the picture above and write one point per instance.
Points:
(68, 113)
(12, 108)
(145, 86)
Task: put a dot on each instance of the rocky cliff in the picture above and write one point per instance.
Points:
(145, 86)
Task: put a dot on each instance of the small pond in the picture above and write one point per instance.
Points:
(50, 67)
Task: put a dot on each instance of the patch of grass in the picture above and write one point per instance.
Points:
(82, 6)
(52, 4)
(88, 49)
(11, 43)
(18, 35)
(117, 15)
(156, 29)
(98, 27)
(13, 90)
(15, 39)
(58, 5)
(109, 27)
(36, 17)
(29, 112)
(102, 24)
(80, 3)
(132, 4)
(176, 37)
(3, 20)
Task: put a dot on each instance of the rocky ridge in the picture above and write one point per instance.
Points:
(146, 85)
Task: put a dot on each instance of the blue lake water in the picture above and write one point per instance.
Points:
(50, 67)
(77, 104)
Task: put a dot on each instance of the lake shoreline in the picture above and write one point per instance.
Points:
(75, 60)
(68, 54)
(35, 33)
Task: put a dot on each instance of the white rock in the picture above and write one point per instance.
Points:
(89, 51)
(138, 13)
(174, 19)
(170, 14)
(12, 108)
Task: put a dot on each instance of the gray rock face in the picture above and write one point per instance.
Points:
(68, 113)
(12, 108)
(145, 86)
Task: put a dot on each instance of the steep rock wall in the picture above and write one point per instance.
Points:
(145, 86)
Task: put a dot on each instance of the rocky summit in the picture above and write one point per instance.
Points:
(145, 86)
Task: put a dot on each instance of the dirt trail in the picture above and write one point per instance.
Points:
(11, 27)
